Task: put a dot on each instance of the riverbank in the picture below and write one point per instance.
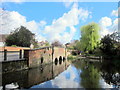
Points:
(90, 57)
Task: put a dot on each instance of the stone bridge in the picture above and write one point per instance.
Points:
(36, 57)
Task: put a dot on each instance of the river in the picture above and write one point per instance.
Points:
(83, 73)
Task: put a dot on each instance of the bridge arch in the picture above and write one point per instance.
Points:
(56, 61)
(60, 60)
(64, 59)
(42, 59)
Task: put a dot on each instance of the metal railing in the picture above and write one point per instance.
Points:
(13, 55)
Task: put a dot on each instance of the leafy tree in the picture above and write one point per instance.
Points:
(57, 43)
(89, 37)
(90, 74)
(47, 44)
(110, 45)
(77, 45)
(107, 44)
(20, 37)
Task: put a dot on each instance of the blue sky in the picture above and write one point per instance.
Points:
(45, 18)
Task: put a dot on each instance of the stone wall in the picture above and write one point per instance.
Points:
(28, 78)
(9, 66)
(36, 57)
(59, 51)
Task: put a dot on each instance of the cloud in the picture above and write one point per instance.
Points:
(10, 20)
(115, 12)
(116, 25)
(15, 1)
(108, 26)
(66, 83)
(58, 30)
(62, 29)
(69, 3)
(43, 23)
(105, 22)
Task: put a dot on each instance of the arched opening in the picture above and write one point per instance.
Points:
(56, 61)
(44, 51)
(42, 60)
(48, 48)
(60, 60)
(64, 59)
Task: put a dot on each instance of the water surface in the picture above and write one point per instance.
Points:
(82, 73)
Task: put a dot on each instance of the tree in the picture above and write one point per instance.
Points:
(107, 44)
(90, 74)
(57, 43)
(110, 45)
(89, 37)
(47, 44)
(20, 37)
(77, 46)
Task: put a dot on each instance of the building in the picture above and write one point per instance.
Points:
(2, 39)
(43, 43)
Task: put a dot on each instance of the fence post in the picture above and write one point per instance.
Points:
(20, 54)
(5, 54)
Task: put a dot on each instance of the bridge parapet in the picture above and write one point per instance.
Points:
(36, 57)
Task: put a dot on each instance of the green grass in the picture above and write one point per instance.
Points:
(72, 57)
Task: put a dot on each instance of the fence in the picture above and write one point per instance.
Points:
(11, 55)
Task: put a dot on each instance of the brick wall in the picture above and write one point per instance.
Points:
(36, 57)
(16, 65)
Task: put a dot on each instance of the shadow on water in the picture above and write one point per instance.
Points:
(31, 77)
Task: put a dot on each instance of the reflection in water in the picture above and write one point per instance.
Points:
(111, 72)
(89, 76)
(104, 74)
(31, 77)
(67, 79)
(80, 74)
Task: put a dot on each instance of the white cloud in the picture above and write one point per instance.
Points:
(105, 21)
(15, 1)
(69, 3)
(66, 83)
(115, 12)
(108, 26)
(10, 20)
(115, 25)
(62, 29)
(58, 29)
(43, 23)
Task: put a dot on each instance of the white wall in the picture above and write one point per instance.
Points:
(1, 44)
